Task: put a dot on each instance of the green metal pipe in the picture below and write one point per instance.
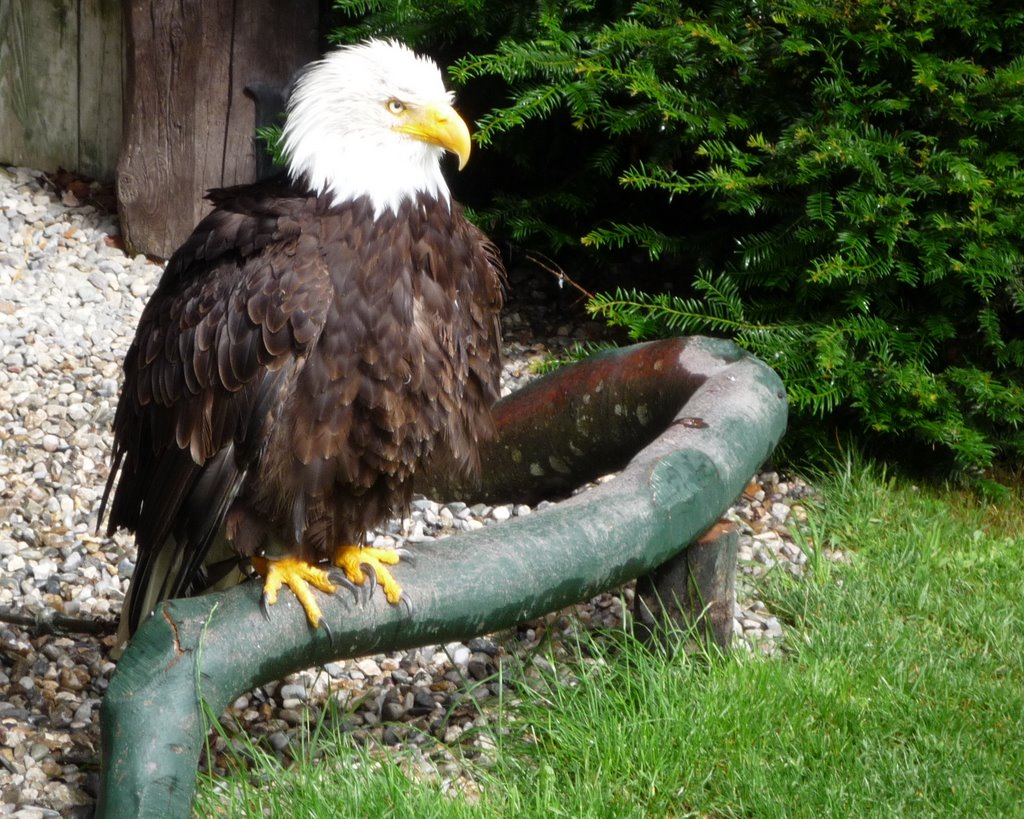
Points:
(729, 412)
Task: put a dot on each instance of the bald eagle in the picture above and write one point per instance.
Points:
(312, 344)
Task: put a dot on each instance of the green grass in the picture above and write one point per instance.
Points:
(900, 693)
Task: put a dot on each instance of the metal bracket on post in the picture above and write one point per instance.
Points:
(687, 421)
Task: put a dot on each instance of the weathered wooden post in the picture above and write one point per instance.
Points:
(692, 593)
(188, 121)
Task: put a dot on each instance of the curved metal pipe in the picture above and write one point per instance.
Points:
(687, 420)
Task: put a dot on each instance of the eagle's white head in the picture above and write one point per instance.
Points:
(373, 120)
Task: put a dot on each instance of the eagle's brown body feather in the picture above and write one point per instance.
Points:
(296, 365)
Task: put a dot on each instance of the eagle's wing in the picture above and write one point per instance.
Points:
(475, 334)
(484, 333)
(237, 307)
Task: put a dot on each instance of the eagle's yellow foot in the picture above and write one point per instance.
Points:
(362, 564)
(297, 575)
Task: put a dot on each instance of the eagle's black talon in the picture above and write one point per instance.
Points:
(339, 578)
(370, 584)
(265, 607)
(406, 603)
(327, 628)
(407, 556)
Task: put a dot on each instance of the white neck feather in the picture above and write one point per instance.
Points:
(346, 167)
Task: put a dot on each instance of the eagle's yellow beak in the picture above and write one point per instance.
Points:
(439, 124)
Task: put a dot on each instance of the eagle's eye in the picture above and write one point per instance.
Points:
(395, 106)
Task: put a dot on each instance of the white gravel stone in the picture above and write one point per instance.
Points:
(501, 513)
(369, 667)
(293, 691)
(780, 512)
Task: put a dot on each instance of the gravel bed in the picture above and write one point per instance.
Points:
(69, 302)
